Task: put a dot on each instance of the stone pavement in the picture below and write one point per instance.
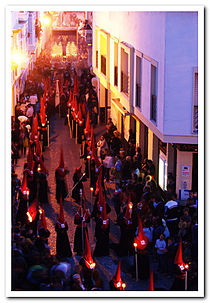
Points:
(59, 136)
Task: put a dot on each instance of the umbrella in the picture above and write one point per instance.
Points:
(22, 118)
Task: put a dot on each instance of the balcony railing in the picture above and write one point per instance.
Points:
(124, 83)
(195, 119)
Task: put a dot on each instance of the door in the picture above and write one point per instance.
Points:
(195, 173)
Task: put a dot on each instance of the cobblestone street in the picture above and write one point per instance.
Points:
(59, 135)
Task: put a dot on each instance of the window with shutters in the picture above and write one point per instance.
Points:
(124, 72)
(103, 52)
(138, 81)
(115, 64)
(153, 104)
(195, 102)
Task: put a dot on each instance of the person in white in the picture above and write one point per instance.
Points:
(160, 245)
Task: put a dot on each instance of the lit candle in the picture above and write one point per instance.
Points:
(136, 260)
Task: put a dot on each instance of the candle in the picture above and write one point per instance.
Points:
(136, 260)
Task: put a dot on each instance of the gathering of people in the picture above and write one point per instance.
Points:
(154, 227)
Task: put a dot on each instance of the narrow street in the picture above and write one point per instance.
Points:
(59, 136)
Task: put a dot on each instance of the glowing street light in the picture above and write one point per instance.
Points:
(46, 20)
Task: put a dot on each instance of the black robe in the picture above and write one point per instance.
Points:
(63, 249)
(76, 190)
(21, 215)
(126, 238)
(78, 233)
(43, 189)
(61, 187)
(102, 239)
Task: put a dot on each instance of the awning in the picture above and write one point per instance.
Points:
(120, 107)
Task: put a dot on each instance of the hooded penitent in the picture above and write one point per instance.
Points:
(151, 283)
(87, 254)
(32, 211)
(141, 240)
(128, 213)
(34, 131)
(178, 257)
(116, 279)
(104, 217)
(43, 223)
(60, 167)
(24, 189)
(30, 161)
(70, 99)
(87, 127)
(61, 220)
(38, 154)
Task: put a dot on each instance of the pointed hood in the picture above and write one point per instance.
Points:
(117, 277)
(141, 240)
(94, 150)
(34, 131)
(69, 104)
(30, 161)
(38, 150)
(24, 189)
(43, 223)
(80, 118)
(104, 217)
(178, 257)
(32, 211)
(75, 108)
(87, 254)
(61, 219)
(42, 167)
(42, 112)
(87, 130)
(151, 283)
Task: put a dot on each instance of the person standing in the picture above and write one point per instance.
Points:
(63, 249)
(60, 173)
(160, 245)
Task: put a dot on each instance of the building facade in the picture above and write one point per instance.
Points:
(25, 48)
(146, 64)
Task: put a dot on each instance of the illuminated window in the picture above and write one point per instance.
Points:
(103, 53)
(115, 64)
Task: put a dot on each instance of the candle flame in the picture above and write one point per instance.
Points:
(29, 217)
(135, 244)
(91, 188)
(123, 285)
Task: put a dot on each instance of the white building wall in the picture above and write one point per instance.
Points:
(145, 31)
(181, 57)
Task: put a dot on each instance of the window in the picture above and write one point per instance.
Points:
(115, 64)
(96, 44)
(153, 107)
(138, 81)
(103, 52)
(103, 65)
(124, 71)
(195, 103)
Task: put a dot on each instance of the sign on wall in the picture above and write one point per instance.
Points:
(186, 171)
